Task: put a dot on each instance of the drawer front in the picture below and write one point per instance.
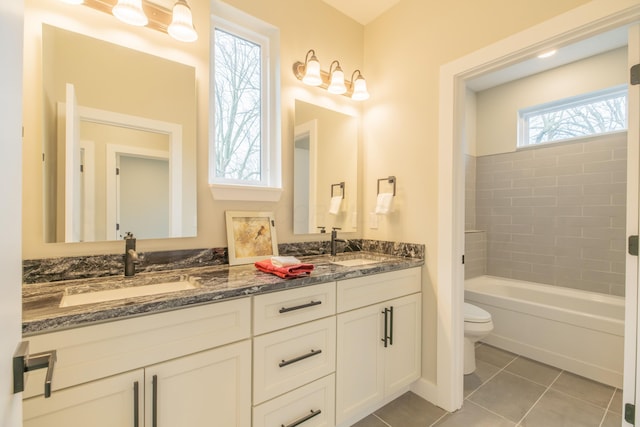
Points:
(308, 406)
(292, 357)
(363, 291)
(97, 351)
(282, 309)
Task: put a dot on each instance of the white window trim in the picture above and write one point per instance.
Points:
(269, 189)
(564, 103)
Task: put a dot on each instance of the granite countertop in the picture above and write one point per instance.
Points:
(41, 311)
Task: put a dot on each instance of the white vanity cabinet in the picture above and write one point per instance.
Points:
(378, 341)
(195, 363)
(294, 348)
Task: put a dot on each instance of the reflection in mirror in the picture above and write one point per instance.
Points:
(119, 141)
(325, 156)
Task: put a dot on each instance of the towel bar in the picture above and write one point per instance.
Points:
(391, 180)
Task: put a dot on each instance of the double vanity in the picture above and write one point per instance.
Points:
(230, 346)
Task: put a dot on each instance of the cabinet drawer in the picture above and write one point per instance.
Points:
(282, 309)
(363, 291)
(98, 351)
(287, 359)
(313, 402)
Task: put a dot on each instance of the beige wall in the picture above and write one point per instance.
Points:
(404, 50)
(497, 108)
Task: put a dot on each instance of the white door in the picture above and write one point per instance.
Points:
(11, 33)
(632, 325)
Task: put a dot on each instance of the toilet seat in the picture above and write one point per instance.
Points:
(475, 314)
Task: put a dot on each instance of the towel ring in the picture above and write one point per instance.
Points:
(391, 180)
(341, 185)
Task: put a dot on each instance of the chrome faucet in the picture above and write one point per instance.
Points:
(334, 240)
(130, 255)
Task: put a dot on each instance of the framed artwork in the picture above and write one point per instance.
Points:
(251, 236)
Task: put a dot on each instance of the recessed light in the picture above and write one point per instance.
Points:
(547, 54)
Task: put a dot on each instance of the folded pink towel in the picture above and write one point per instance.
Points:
(288, 272)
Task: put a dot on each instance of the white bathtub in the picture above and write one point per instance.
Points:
(579, 331)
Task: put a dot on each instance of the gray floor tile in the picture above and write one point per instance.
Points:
(483, 372)
(534, 371)
(508, 395)
(585, 389)
(616, 403)
(559, 409)
(410, 410)
(493, 355)
(370, 421)
(473, 415)
(612, 420)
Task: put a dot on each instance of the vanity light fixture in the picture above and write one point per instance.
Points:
(181, 27)
(359, 87)
(337, 79)
(178, 23)
(130, 12)
(311, 67)
(311, 74)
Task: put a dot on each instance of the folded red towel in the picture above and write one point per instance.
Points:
(288, 272)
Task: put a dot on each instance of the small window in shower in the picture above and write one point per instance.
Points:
(591, 114)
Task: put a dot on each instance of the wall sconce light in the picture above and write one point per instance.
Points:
(130, 12)
(311, 74)
(178, 23)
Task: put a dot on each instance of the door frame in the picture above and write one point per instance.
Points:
(577, 24)
(12, 34)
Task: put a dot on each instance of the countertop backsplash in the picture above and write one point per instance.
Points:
(93, 266)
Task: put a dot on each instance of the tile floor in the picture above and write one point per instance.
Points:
(508, 390)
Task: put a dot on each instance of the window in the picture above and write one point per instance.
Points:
(592, 114)
(245, 113)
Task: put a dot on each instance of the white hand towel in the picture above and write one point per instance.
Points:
(284, 261)
(383, 203)
(334, 206)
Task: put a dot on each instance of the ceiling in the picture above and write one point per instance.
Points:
(362, 11)
(566, 54)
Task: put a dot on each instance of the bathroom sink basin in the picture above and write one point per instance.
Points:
(122, 293)
(354, 262)
(356, 259)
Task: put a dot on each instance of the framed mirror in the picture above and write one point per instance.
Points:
(118, 141)
(325, 170)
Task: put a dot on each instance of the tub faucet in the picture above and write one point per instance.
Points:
(130, 255)
(334, 240)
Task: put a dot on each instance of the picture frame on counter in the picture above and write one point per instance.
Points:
(251, 236)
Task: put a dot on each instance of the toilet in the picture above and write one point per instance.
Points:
(477, 325)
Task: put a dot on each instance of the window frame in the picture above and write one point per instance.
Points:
(268, 188)
(563, 104)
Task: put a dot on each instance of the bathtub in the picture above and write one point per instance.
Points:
(578, 331)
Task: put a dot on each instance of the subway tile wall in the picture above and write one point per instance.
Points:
(556, 214)
(475, 253)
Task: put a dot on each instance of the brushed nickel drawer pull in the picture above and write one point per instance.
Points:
(303, 419)
(298, 307)
(136, 405)
(299, 358)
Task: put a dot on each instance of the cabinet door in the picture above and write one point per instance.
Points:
(402, 355)
(107, 402)
(359, 361)
(210, 388)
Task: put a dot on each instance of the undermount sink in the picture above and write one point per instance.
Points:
(354, 262)
(93, 297)
(355, 259)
